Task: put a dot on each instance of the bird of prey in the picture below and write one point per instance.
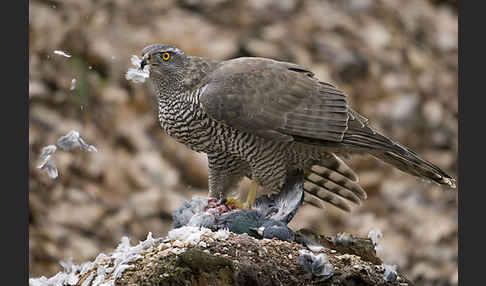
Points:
(267, 119)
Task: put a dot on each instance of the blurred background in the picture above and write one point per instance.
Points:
(397, 61)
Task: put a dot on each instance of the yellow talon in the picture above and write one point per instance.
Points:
(250, 199)
(233, 202)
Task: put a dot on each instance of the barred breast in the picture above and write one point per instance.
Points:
(187, 124)
(268, 160)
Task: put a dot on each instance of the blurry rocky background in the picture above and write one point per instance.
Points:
(397, 60)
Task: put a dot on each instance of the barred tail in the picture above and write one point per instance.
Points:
(334, 182)
(409, 162)
(361, 135)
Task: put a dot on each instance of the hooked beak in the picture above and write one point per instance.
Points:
(144, 62)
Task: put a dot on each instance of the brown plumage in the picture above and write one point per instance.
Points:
(263, 119)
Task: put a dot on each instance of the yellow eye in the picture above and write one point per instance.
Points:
(165, 56)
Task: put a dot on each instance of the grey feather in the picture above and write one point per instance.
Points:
(277, 103)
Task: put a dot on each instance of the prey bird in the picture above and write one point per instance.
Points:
(266, 120)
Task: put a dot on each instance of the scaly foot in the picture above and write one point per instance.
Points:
(232, 203)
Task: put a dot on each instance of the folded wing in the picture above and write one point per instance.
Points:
(275, 100)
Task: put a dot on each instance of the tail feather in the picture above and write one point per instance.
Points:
(414, 165)
(363, 136)
(313, 201)
(334, 182)
(326, 195)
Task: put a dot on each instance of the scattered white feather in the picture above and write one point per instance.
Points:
(136, 74)
(119, 271)
(73, 140)
(47, 161)
(203, 244)
(102, 258)
(390, 272)
(100, 276)
(73, 84)
(88, 279)
(314, 247)
(343, 238)
(136, 61)
(62, 53)
(221, 234)
(41, 281)
(124, 254)
(375, 235)
(68, 276)
(121, 260)
(304, 251)
(85, 267)
(191, 234)
(71, 269)
(46, 155)
(52, 171)
(67, 143)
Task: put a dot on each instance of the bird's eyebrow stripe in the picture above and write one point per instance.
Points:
(174, 50)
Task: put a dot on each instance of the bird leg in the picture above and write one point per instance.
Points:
(224, 174)
(250, 199)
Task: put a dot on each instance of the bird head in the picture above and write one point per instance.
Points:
(164, 60)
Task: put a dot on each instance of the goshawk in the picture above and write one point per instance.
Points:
(267, 119)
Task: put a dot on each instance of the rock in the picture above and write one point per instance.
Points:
(237, 261)
(344, 243)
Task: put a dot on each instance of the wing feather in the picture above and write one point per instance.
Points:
(276, 100)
